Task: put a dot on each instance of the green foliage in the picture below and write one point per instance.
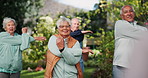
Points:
(103, 54)
(36, 52)
(96, 21)
(140, 7)
(93, 20)
(19, 10)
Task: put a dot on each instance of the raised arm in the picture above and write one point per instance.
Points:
(26, 39)
(84, 32)
(125, 29)
(52, 46)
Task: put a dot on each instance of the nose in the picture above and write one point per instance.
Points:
(11, 26)
(64, 27)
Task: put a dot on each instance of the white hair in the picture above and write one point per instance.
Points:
(124, 7)
(75, 19)
(6, 20)
(62, 19)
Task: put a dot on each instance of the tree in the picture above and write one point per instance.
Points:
(94, 19)
(140, 7)
(37, 51)
(19, 10)
(106, 39)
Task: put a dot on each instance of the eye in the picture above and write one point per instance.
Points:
(68, 26)
(8, 25)
(131, 10)
(61, 26)
(125, 11)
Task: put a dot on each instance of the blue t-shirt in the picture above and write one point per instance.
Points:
(78, 35)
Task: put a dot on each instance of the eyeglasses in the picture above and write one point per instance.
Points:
(64, 26)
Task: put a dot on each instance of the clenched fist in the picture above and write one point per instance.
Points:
(60, 42)
(24, 30)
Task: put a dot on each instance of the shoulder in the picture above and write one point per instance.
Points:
(53, 37)
(4, 34)
(73, 40)
(16, 34)
(79, 30)
(121, 22)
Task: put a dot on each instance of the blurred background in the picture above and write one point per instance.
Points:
(98, 16)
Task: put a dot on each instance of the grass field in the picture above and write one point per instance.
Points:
(40, 74)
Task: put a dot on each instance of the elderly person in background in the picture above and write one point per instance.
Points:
(11, 46)
(127, 34)
(64, 53)
(78, 34)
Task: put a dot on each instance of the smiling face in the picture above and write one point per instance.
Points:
(75, 24)
(10, 27)
(128, 14)
(64, 29)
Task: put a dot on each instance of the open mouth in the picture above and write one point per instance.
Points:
(11, 29)
(65, 31)
(129, 17)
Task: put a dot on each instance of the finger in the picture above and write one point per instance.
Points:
(91, 52)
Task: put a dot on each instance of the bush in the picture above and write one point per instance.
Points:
(37, 51)
(103, 55)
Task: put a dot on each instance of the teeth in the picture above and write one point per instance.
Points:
(129, 17)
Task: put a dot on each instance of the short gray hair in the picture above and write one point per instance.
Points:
(124, 7)
(62, 19)
(75, 19)
(6, 20)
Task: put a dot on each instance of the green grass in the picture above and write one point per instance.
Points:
(27, 74)
(40, 74)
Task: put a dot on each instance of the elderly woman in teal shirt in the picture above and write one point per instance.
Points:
(11, 46)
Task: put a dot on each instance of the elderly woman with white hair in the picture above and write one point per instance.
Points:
(64, 53)
(11, 46)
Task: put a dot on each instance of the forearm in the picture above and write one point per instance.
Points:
(124, 29)
(26, 39)
(70, 57)
(53, 47)
(84, 32)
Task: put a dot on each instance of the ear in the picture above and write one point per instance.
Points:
(4, 28)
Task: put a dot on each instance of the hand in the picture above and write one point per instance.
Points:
(60, 42)
(90, 32)
(24, 30)
(40, 38)
(87, 50)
